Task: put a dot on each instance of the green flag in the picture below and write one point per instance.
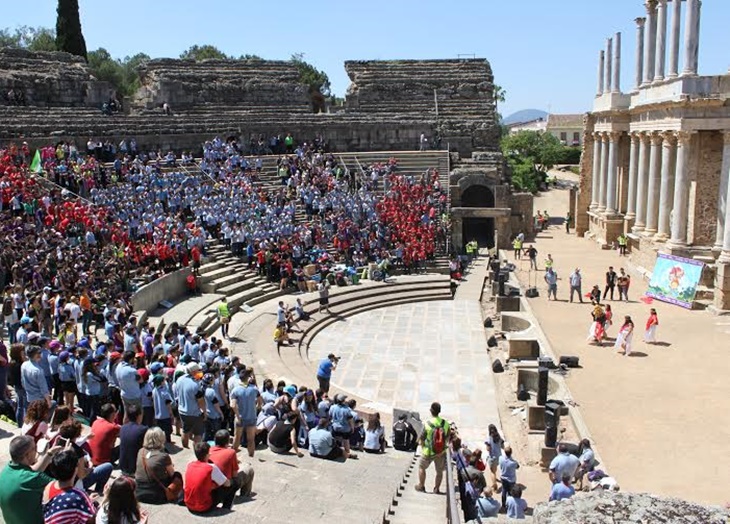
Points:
(35, 165)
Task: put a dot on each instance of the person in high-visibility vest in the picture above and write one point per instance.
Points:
(517, 246)
(224, 316)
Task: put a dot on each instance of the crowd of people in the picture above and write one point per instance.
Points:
(75, 243)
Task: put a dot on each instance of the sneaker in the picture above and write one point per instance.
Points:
(419, 488)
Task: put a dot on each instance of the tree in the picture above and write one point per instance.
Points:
(499, 96)
(530, 155)
(31, 38)
(317, 80)
(69, 37)
(204, 52)
(122, 74)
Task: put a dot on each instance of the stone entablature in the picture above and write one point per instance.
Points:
(51, 79)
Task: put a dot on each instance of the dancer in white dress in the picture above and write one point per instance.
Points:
(623, 339)
(651, 326)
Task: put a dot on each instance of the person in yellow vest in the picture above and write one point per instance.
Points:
(549, 262)
(623, 241)
(474, 248)
(435, 438)
(517, 246)
(224, 316)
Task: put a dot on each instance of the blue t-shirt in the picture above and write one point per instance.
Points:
(162, 398)
(127, 380)
(560, 491)
(245, 398)
(147, 401)
(320, 442)
(211, 399)
(516, 508)
(340, 416)
(188, 392)
(325, 368)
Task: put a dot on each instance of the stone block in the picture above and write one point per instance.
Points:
(523, 349)
(535, 417)
(507, 304)
(721, 299)
(547, 455)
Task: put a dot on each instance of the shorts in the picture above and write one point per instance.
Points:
(439, 460)
(345, 435)
(193, 424)
(126, 403)
(246, 423)
(69, 387)
(324, 301)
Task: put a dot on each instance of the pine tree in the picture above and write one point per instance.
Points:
(69, 37)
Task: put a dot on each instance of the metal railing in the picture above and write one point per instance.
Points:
(452, 502)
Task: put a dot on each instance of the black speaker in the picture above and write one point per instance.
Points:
(488, 322)
(492, 342)
(570, 361)
(551, 437)
(497, 366)
(523, 394)
(542, 385)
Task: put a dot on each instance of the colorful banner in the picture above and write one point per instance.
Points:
(675, 280)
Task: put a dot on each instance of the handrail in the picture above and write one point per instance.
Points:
(39, 177)
(452, 505)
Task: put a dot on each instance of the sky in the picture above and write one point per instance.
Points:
(544, 53)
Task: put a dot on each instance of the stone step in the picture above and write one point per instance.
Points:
(228, 267)
(236, 287)
(218, 283)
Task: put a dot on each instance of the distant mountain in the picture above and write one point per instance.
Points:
(526, 115)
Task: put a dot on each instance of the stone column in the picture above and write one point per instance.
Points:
(609, 66)
(639, 59)
(724, 257)
(666, 193)
(617, 63)
(601, 71)
(649, 42)
(633, 174)
(612, 183)
(674, 39)
(681, 190)
(661, 40)
(652, 197)
(596, 187)
(642, 182)
(604, 173)
(691, 37)
(722, 194)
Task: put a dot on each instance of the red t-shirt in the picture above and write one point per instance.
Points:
(105, 434)
(199, 486)
(225, 459)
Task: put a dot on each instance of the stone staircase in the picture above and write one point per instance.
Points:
(410, 506)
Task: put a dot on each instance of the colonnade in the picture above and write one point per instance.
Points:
(657, 46)
(658, 182)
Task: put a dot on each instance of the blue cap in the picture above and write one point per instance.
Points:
(26, 320)
(156, 367)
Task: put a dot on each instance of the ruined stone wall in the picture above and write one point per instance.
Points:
(583, 198)
(253, 83)
(521, 217)
(51, 79)
(705, 166)
(458, 92)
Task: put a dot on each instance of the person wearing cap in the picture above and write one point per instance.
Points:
(128, 380)
(213, 409)
(245, 401)
(404, 437)
(162, 400)
(54, 347)
(324, 371)
(21, 335)
(191, 404)
(343, 422)
(34, 382)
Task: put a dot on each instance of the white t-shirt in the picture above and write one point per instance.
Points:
(103, 518)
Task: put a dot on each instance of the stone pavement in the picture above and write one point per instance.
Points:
(411, 355)
(661, 419)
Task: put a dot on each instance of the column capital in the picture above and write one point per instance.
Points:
(655, 138)
(640, 21)
(668, 138)
(614, 136)
(661, 3)
(683, 137)
(650, 6)
(635, 137)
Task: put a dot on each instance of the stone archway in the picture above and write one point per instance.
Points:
(477, 195)
(480, 229)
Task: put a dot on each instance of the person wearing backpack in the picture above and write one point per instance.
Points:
(434, 440)
(405, 437)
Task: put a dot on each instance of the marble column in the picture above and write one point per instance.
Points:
(609, 66)
(633, 175)
(722, 194)
(617, 63)
(661, 40)
(601, 71)
(604, 173)
(681, 191)
(691, 37)
(612, 183)
(666, 192)
(652, 196)
(639, 58)
(724, 257)
(674, 39)
(596, 187)
(642, 182)
(649, 42)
